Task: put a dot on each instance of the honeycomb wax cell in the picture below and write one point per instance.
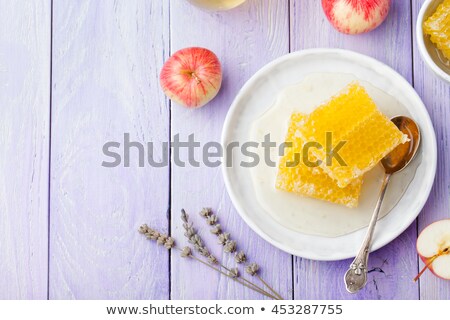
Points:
(311, 181)
(351, 117)
(437, 26)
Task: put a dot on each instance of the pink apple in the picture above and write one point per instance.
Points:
(356, 16)
(191, 77)
(433, 246)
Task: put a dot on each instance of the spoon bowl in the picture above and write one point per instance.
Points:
(401, 156)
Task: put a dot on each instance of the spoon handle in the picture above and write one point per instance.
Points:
(356, 277)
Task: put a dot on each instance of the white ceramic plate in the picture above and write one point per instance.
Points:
(258, 95)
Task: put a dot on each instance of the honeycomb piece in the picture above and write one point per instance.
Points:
(311, 181)
(437, 26)
(340, 115)
(353, 117)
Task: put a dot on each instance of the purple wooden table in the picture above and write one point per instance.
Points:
(76, 74)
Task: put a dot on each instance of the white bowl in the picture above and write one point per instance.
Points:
(427, 49)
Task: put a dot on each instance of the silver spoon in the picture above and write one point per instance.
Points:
(356, 277)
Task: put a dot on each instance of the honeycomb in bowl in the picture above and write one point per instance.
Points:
(437, 26)
(310, 181)
(351, 117)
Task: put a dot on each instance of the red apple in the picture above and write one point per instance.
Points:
(356, 16)
(191, 77)
(433, 246)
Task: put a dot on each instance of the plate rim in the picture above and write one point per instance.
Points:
(319, 51)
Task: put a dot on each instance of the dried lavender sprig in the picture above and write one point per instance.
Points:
(186, 252)
(195, 239)
(233, 275)
(230, 246)
(253, 269)
(161, 239)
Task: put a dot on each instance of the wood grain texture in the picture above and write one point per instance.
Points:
(106, 59)
(436, 95)
(244, 39)
(390, 43)
(24, 144)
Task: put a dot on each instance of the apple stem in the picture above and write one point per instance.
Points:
(426, 267)
(445, 251)
(192, 74)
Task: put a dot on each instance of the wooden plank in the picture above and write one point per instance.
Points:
(244, 39)
(391, 43)
(436, 95)
(106, 59)
(24, 141)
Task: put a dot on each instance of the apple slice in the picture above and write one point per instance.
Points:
(433, 246)
(191, 77)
